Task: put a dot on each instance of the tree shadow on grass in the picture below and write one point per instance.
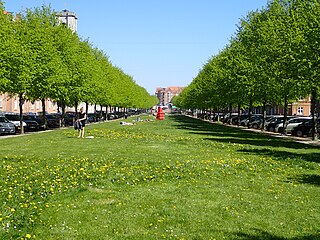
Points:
(227, 134)
(254, 142)
(312, 179)
(284, 155)
(263, 235)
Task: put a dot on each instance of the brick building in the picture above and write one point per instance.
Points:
(165, 95)
(302, 107)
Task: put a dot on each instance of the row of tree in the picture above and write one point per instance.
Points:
(273, 58)
(43, 59)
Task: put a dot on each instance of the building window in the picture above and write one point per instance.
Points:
(300, 111)
(15, 105)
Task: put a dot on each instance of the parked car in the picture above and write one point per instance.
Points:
(258, 123)
(69, 118)
(39, 120)
(53, 120)
(93, 117)
(15, 119)
(111, 116)
(227, 116)
(245, 122)
(304, 129)
(234, 119)
(32, 124)
(293, 122)
(277, 120)
(217, 116)
(6, 127)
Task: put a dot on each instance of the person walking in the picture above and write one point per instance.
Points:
(82, 117)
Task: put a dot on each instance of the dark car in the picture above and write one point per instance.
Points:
(217, 117)
(6, 126)
(246, 121)
(227, 116)
(92, 117)
(39, 120)
(53, 120)
(258, 122)
(111, 116)
(69, 119)
(304, 129)
(235, 119)
(32, 124)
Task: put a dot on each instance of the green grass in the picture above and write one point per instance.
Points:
(180, 178)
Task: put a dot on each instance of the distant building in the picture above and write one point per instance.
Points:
(68, 18)
(302, 107)
(165, 95)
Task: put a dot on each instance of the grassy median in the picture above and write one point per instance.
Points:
(180, 178)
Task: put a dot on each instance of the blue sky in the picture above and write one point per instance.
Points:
(160, 43)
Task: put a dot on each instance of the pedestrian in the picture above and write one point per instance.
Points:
(82, 117)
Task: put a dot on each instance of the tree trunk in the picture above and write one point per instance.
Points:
(76, 107)
(264, 116)
(230, 113)
(63, 112)
(87, 107)
(250, 111)
(45, 123)
(285, 114)
(314, 130)
(239, 113)
(21, 102)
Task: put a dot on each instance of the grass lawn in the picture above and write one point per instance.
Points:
(180, 178)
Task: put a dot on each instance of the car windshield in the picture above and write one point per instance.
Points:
(3, 119)
(13, 117)
(51, 117)
(298, 120)
(28, 118)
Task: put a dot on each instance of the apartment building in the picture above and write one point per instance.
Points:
(165, 95)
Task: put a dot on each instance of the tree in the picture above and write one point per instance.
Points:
(6, 37)
(37, 35)
(306, 15)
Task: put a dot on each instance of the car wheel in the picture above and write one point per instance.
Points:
(299, 133)
(271, 129)
(255, 126)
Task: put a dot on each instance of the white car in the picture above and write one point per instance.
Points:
(15, 119)
(293, 122)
